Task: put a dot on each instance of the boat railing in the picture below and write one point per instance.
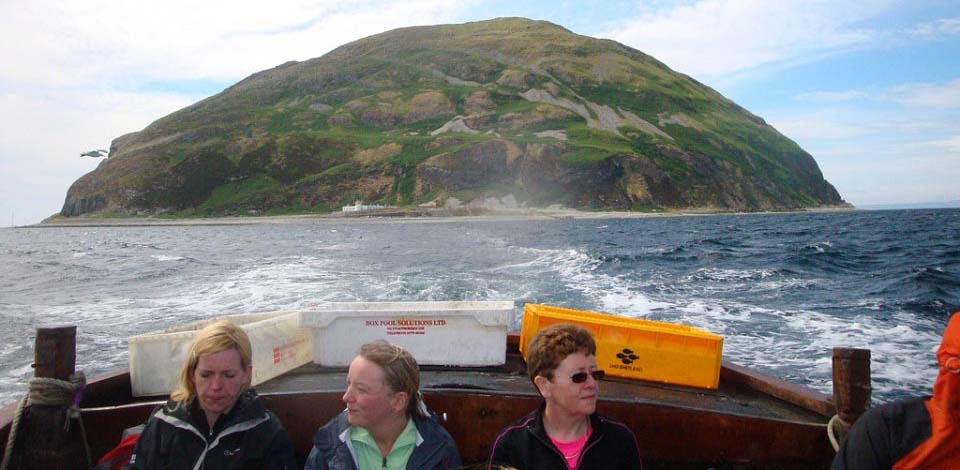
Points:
(476, 403)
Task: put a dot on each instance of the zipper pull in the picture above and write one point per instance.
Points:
(384, 463)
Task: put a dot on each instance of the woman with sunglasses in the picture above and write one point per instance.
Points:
(565, 432)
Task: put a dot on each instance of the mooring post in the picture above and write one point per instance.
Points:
(55, 352)
(851, 384)
(46, 437)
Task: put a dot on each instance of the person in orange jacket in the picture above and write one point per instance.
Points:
(920, 433)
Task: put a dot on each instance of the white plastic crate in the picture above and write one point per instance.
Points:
(436, 333)
(279, 345)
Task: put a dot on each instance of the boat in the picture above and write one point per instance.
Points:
(750, 421)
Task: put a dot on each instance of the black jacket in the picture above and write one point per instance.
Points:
(884, 435)
(248, 437)
(436, 451)
(525, 445)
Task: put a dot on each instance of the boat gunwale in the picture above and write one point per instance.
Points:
(730, 373)
(302, 417)
(109, 393)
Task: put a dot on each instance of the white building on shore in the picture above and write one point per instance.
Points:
(361, 207)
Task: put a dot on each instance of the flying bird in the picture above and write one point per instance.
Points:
(100, 153)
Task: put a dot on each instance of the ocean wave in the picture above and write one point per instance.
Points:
(923, 290)
(163, 258)
(739, 275)
(793, 343)
(138, 246)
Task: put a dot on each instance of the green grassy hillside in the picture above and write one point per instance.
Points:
(493, 108)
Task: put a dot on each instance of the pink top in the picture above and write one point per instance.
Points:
(571, 450)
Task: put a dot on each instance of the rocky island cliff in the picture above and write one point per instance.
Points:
(506, 108)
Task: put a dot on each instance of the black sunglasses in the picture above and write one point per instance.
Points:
(581, 377)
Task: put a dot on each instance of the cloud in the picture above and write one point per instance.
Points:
(870, 126)
(936, 96)
(871, 171)
(880, 124)
(938, 28)
(894, 144)
(69, 122)
(42, 136)
(817, 126)
(911, 97)
(831, 96)
(949, 145)
(95, 41)
(714, 38)
(868, 172)
(80, 73)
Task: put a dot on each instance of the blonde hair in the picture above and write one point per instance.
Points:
(400, 372)
(218, 336)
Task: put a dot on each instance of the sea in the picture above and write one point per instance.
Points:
(782, 289)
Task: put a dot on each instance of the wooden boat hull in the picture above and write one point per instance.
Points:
(671, 435)
(669, 438)
(751, 421)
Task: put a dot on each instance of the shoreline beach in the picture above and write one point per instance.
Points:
(432, 216)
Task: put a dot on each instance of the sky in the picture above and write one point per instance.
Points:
(870, 88)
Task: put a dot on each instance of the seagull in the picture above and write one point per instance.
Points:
(99, 153)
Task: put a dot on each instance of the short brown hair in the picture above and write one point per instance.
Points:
(553, 344)
(400, 371)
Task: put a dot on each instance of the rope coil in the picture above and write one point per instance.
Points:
(832, 434)
(45, 391)
(12, 437)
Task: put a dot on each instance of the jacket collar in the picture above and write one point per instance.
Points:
(336, 433)
(339, 430)
(247, 408)
(540, 431)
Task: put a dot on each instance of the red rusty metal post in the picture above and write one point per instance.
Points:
(851, 384)
(42, 441)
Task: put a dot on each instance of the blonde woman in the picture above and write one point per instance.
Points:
(214, 420)
(565, 432)
(385, 425)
